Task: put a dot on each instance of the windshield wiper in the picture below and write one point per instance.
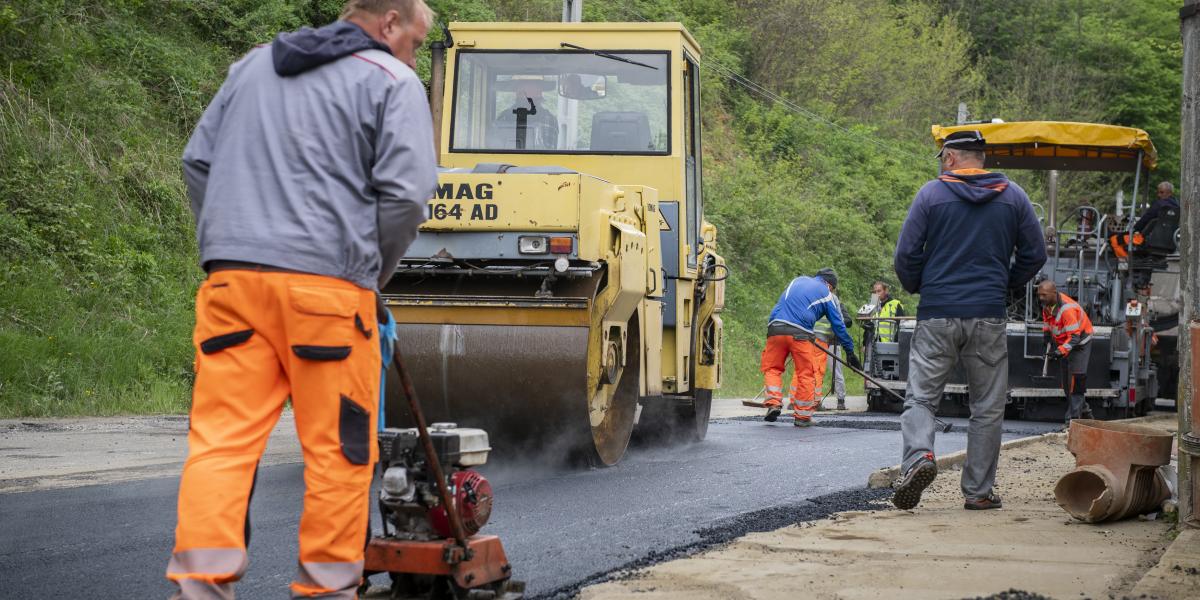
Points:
(607, 55)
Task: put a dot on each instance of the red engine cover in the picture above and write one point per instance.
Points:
(472, 496)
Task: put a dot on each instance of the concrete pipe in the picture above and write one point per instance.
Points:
(1116, 471)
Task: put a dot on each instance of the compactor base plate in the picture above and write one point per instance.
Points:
(487, 563)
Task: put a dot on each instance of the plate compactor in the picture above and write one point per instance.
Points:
(430, 543)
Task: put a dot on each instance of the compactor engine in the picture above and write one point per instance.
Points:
(408, 496)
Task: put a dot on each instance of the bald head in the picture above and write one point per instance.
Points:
(1047, 293)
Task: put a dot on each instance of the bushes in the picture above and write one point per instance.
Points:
(97, 260)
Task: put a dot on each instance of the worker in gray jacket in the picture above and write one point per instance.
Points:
(308, 176)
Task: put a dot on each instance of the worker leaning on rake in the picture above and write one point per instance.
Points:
(308, 176)
(790, 332)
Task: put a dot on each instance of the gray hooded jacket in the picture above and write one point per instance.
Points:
(316, 155)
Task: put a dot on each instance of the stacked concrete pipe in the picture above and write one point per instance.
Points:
(1116, 470)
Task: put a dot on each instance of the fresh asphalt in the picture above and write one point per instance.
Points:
(560, 527)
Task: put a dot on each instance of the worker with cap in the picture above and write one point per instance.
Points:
(790, 333)
(970, 237)
(308, 176)
(825, 338)
(1068, 336)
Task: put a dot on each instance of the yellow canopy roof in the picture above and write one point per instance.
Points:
(1060, 145)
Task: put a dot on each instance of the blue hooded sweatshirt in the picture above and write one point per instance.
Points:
(805, 301)
(970, 236)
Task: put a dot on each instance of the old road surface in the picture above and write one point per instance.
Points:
(561, 528)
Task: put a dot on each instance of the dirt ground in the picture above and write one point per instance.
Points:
(937, 551)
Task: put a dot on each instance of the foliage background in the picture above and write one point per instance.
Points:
(97, 257)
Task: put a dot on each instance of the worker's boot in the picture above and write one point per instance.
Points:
(841, 404)
(992, 501)
(908, 490)
(798, 422)
(773, 413)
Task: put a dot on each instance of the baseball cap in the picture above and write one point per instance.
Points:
(829, 275)
(963, 140)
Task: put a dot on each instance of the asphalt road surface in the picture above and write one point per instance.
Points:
(559, 527)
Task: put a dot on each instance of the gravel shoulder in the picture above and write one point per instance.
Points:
(938, 550)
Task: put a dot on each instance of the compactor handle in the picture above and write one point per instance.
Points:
(447, 500)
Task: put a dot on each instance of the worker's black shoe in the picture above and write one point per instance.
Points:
(842, 404)
(908, 490)
(988, 503)
(772, 413)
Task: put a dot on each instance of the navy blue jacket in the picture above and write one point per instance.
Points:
(958, 242)
(1152, 212)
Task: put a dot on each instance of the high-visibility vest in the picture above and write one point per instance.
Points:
(824, 329)
(887, 329)
(1067, 322)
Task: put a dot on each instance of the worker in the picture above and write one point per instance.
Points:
(1166, 199)
(308, 175)
(541, 127)
(969, 238)
(889, 307)
(1120, 242)
(790, 332)
(825, 338)
(1068, 333)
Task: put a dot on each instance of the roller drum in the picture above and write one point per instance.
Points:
(525, 385)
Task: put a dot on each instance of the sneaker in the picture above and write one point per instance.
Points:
(909, 488)
(798, 422)
(987, 503)
(772, 414)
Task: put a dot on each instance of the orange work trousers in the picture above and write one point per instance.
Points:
(819, 368)
(804, 356)
(262, 338)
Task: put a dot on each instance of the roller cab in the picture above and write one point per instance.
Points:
(565, 287)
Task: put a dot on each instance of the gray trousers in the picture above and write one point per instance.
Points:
(1073, 371)
(839, 376)
(980, 346)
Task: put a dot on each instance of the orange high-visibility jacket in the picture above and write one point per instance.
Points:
(1069, 325)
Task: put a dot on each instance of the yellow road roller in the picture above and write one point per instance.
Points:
(565, 287)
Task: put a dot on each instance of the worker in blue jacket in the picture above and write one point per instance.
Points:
(790, 333)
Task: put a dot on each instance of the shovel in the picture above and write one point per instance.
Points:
(1044, 379)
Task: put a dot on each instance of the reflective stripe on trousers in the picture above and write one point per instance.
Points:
(262, 338)
(774, 363)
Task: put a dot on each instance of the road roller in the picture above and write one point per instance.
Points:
(565, 288)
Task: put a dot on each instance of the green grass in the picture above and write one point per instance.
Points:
(96, 260)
